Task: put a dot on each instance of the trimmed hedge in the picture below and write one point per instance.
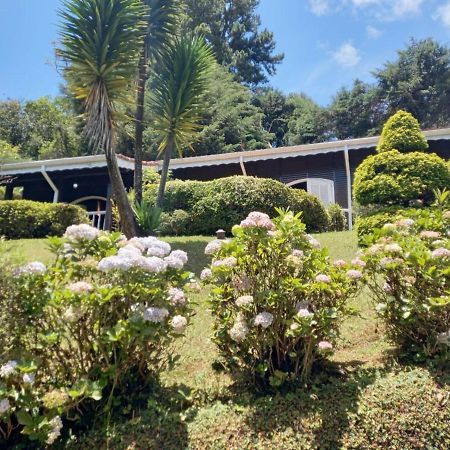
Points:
(402, 132)
(337, 221)
(22, 219)
(394, 178)
(225, 202)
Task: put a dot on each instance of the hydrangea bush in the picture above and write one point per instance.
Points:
(277, 299)
(408, 268)
(100, 318)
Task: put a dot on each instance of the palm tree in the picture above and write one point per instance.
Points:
(177, 97)
(101, 43)
(162, 24)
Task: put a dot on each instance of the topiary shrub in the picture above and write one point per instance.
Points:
(21, 219)
(337, 221)
(394, 178)
(277, 300)
(402, 132)
(223, 202)
(176, 223)
(408, 266)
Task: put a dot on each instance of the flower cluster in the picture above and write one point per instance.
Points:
(407, 267)
(277, 300)
(81, 232)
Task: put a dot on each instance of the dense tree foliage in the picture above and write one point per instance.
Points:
(233, 28)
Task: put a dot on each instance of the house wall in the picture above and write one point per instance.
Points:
(330, 166)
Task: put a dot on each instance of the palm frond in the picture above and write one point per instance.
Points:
(100, 45)
(178, 90)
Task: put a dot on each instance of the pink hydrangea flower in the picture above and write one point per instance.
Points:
(440, 253)
(354, 274)
(322, 278)
(325, 345)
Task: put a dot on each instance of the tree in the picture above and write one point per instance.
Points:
(307, 123)
(14, 128)
(101, 44)
(419, 82)
(356, 112)
(232, 27)
(276, 113)
(162, 20)
(177, 97)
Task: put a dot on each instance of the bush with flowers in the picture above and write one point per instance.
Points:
(277, 299)
(408, 271)
(99, 319)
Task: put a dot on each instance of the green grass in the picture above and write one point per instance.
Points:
(367, 399)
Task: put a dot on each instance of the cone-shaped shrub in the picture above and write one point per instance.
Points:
(402, 132)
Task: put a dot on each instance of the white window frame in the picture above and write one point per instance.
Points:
(329, 184)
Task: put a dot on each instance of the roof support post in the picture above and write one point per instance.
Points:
(241, 162)
(349, 188)
(51, 184)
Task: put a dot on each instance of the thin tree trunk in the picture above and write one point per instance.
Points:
(127, 220)
(139, 127)
(164, 172)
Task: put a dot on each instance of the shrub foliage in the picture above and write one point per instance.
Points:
(394, 178)
(411, 258)
(337, 221)
(21, 219)
(96, 322)
(223, 202)
(277, 300)
(402, 132)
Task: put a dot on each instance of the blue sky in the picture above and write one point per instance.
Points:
(327, 43)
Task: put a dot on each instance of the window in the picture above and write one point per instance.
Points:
(320, 187)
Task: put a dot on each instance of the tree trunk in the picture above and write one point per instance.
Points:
(127, 220)
(139, 127)
(164, 172)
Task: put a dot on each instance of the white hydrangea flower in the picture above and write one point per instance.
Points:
(8, 369)
(393, 248)
(155, 315)
(374, 249)
(29, 378)
(152, 264)
(263, 319)
(340, 263)
(214, 246)
(244, 300)
(174, 262)
(177, 296)
(405, 223)
(55, 430)
(239, 330)
(180, 254)
(389, 227)
(179, 324)
(304, 313)
(72, 314)
(380, 308)
(129, 251)
(81, 232)
(440, 253)
(35, 267)
(153, 245)
(80, 287)
(428, 234)
(231, 261)
(443, 338)
(322, 278)
(354, 274)
(325, 345)
(386, 261)
(313, 241)
(206, 274)
(358, 262)
(114, 263)
(4, 405)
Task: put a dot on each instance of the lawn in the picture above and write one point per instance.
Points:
(366, 399)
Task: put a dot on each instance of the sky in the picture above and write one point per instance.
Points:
(327, 43)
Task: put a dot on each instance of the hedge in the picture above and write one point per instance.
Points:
(204, 207)
(394, 178)
(21, 219)
(402, 132)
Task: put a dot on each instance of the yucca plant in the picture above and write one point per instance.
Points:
(177, 98)
(147, 216)
(101, 41)
(162, 21)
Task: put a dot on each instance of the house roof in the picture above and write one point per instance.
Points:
(289, 152)
(54, 165)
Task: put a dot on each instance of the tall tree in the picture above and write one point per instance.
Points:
(232, 27)
(356, 112)
(101, 44)
(177, 97)
(419, 82)
(162, 22)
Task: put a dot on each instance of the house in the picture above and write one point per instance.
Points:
(325, 170)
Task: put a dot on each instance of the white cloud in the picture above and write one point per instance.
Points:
(373, 32)
(443, 14)
(319, 7)
(347, 55)
(364, 3)
(401, 8)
